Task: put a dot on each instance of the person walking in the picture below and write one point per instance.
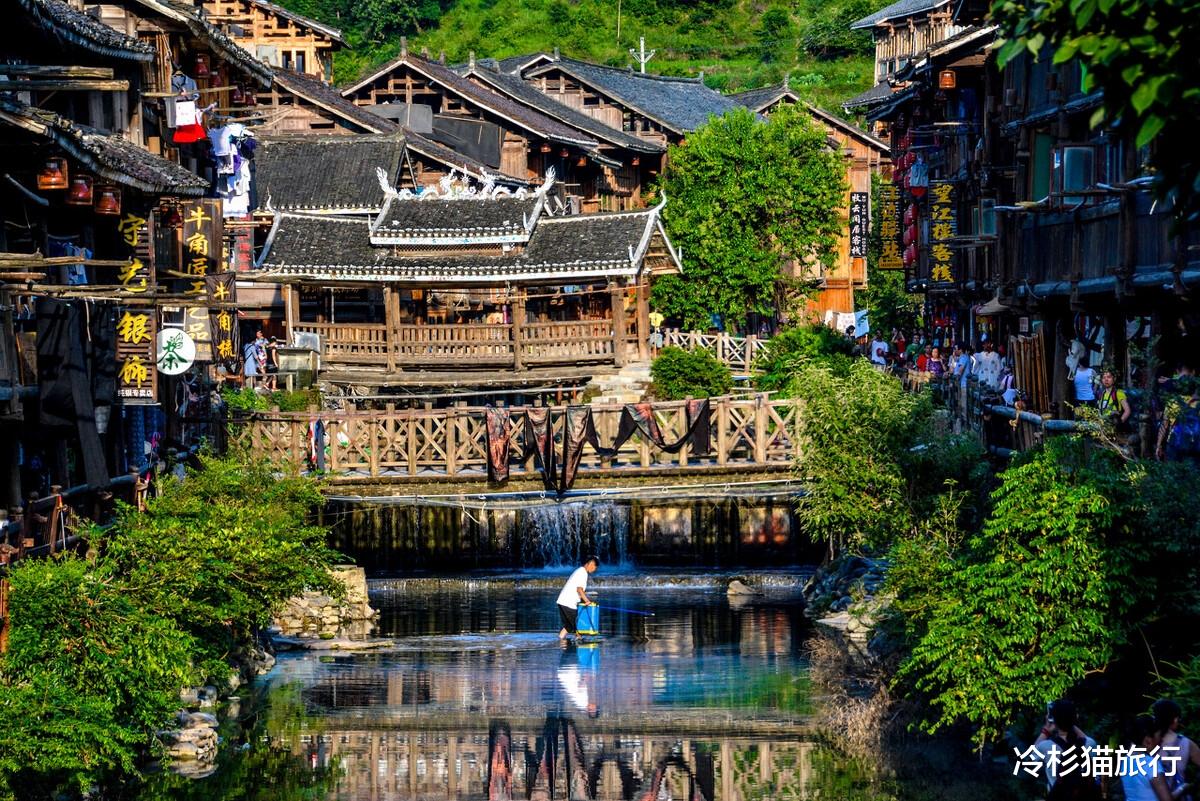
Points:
(1177, 750)
(1084, 381)
(574, 592)
(1145, 780)
(1113, 403)
(1061, 733)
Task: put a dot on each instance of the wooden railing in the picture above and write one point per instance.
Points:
(747, 432)
(472, 345)
(736, 353)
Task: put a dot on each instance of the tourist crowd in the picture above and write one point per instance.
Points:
(952, 366)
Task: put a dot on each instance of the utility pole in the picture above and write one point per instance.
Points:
(640, 55)
(618, 23)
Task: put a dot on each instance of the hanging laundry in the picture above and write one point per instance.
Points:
(499, 443)
(184, 85)
(187, 123)
(72, 274)
(579, 429)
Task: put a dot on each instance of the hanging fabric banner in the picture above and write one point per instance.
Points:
(202, 244)
(499, 443)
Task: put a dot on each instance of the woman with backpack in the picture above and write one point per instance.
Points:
(1179, 432)
(1061, 736)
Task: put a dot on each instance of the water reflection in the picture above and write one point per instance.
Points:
(703, 701)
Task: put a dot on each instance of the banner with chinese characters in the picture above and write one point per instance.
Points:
(137, 277)
(860, 221)
(222, 319)
(889, 227)
(137, 372)
(943, 226)
(202, 234)
(195, 323)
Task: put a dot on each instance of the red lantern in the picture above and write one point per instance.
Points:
(237, 97)
(910, 234)
(202, 70)
(80, 193)
(910, 214)
(249, 98)
(917, 190)
(53, 174)
(108, 200)
(910, 255)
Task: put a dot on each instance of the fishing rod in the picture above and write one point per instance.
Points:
(626, 611)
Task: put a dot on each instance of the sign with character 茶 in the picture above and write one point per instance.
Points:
(137, 371)
(943, 227)
(860, 221)
(889, 227)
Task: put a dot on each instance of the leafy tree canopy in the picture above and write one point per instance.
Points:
(744, 198)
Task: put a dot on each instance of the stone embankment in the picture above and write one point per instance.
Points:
(846, 597)
(316, 615)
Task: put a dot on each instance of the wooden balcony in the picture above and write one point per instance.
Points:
(458, 346)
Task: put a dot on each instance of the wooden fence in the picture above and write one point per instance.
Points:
(736, 353)
(747, 432)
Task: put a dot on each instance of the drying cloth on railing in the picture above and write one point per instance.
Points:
(539, 439)
(579, 429)
(499, 443)
(640, 416)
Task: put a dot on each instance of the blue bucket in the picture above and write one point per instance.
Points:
(587, 620)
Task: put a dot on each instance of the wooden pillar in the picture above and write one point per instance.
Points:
(291, 303)
(390, 319)
(617, 292)
(518, 327)
(643, 318)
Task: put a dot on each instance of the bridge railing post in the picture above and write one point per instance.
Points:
(723, 430)
(761, 418)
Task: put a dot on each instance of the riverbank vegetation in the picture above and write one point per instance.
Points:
(1070, 571)
(102, 644)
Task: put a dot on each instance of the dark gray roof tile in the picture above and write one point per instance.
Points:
(75, 27)
(681, 104)
(897, 10)
(323, 171)
(322, 94)
(480, 219)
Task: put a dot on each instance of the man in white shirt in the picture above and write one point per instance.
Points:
(987, 365)
(575, 592)
(878, 351)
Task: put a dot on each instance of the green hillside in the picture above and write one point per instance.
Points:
(737, 44)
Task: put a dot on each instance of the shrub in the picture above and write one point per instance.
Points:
(678, 374)
(791, 348)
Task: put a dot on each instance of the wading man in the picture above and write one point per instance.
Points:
(575, 592)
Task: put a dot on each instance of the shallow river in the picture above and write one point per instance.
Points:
(706, 699)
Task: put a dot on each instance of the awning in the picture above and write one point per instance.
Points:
(993, 306)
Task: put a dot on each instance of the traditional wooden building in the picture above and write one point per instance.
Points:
(1022, 223)
(656, 108)
(298, 103)
(470, 285)
(902, 31)
(865, 155)
(620, 185)
(490, 128)
(277, 35)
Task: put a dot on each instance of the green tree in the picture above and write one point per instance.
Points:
(793, 347)
(1141, 54)
(776, 35)
(743, 198)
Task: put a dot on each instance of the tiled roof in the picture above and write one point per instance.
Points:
(873, 96)
(423, 145)
(326, 172)
(680, 104)
(79, 28)
(497, 104)
(897, 10)
(316, 91)
(521, 92)
(481, 220)
(759, 99)
(512, 65)
(567, 248)
(834, 121)
(107, 155)
(308, 22)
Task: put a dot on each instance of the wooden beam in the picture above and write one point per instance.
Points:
(48, 71)
(65, 85)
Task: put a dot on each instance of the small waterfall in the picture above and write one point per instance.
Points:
(559, 534)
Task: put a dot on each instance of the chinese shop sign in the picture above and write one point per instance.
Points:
(943, 226)
(222, 319)
(859, 223)
(136, 277)
(137, 373)
(201, 244)
(889, 228)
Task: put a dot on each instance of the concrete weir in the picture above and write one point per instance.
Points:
(704, 525)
